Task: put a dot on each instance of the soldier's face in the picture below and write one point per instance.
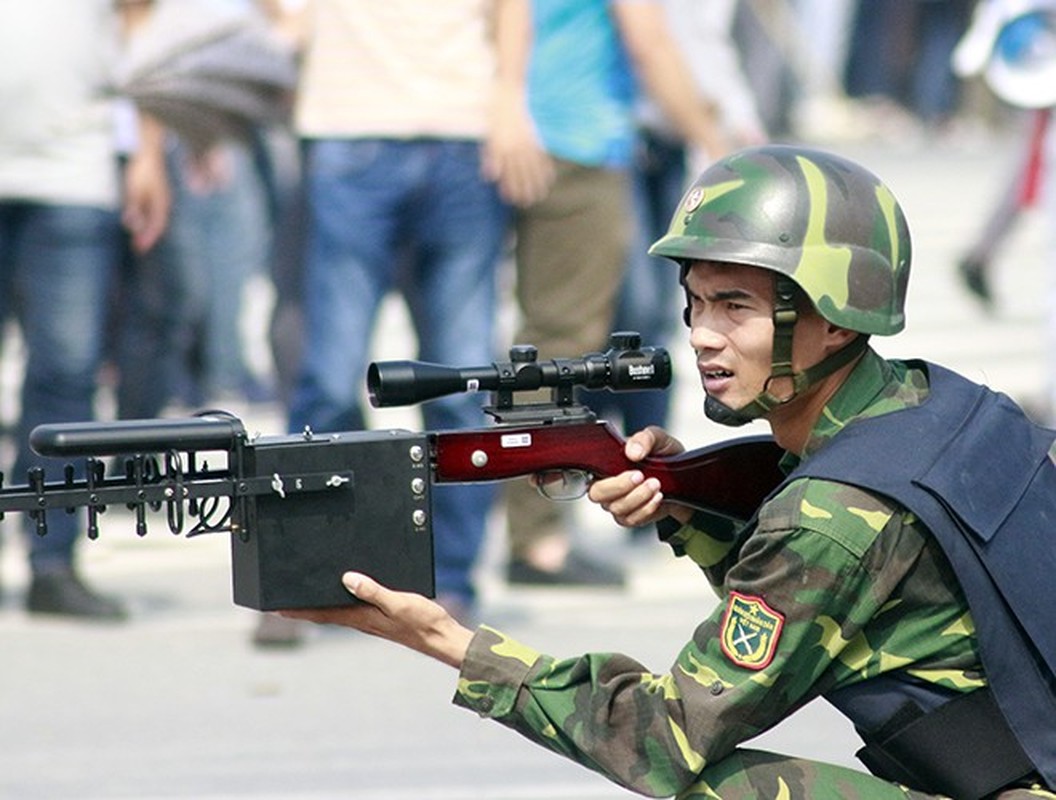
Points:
(732, 330)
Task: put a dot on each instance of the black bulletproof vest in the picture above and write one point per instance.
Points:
(978, 473)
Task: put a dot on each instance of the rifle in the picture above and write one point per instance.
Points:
(301, 508)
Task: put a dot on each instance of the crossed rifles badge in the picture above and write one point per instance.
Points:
(750, 631)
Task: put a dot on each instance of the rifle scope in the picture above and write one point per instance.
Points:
(625, 366)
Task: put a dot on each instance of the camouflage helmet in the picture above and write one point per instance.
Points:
(830, 225)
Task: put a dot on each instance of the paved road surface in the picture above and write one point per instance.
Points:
(178, 704)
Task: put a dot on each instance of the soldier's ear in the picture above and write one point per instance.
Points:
(840, 337)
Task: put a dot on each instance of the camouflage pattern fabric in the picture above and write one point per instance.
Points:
(834, 586)
(826, 222)
(753, 774)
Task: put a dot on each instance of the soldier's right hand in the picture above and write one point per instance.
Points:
(631, 498)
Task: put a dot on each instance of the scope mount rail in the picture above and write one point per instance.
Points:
(625, 366)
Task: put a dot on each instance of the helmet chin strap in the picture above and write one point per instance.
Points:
(785, 316)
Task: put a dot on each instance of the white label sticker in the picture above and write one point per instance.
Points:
(517, 440)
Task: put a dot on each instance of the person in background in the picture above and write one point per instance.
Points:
(402, 160)
(588, 61)
(1022, 191)
(660, 170)
(1009, 45)
(898, 63)
(61, 210)
(177, 323)
(190, 349)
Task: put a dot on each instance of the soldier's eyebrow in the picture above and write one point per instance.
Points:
(729, 294)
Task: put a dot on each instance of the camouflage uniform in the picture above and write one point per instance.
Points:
(834, 586)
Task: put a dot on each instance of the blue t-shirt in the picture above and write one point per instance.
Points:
(581, 87)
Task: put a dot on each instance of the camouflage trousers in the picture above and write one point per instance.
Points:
(758, 775)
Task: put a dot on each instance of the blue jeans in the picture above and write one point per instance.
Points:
(58, 261)
(900, 49)
(934, 89)
(414, 216)
(221, 245)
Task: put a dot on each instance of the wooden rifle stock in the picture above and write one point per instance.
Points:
(731, 478)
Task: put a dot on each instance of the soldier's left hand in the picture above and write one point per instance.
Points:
(406, 618)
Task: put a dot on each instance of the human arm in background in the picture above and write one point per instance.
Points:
(665, 76)
(147, 196)
(704, 30)
(513, 155)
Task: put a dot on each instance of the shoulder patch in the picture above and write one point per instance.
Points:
(750, 631)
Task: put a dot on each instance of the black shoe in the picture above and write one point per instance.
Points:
(577, 570)
(974, 276)
(63, 593)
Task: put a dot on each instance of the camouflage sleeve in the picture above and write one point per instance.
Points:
(799, 594)
(712, 541)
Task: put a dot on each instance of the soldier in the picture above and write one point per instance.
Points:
(896, 583)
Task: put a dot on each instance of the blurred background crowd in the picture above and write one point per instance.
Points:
(205, 203)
